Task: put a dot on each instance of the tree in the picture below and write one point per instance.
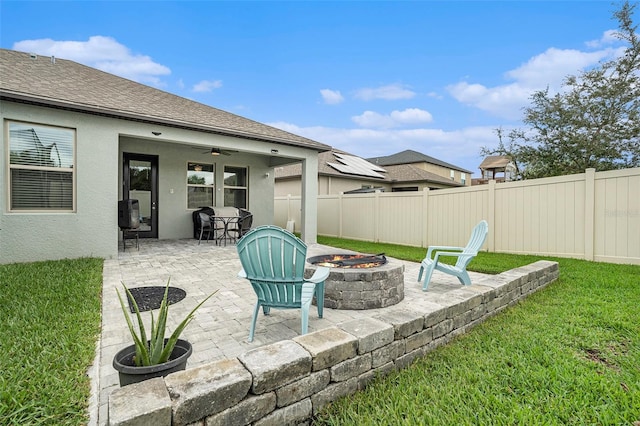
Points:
(594, 122)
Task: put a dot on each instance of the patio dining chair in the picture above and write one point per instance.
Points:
(464, 255)
(273, 260)
(206, 225)
(242, 225)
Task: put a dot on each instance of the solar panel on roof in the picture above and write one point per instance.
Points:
(353, 165)
(352, 159)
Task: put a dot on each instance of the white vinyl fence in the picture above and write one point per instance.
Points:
(592, 215)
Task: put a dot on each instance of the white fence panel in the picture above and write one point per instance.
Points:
(453, 213)
(329, 216)
(401, 218)
(358, 217)
(617, 216)
(541, 216)
(287, 209)
(592, 215)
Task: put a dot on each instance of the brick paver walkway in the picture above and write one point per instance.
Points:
(221, 326)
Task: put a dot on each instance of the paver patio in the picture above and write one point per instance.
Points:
(220, 328)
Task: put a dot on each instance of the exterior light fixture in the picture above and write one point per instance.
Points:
(274, 151)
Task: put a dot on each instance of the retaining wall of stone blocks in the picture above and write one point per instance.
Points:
(288, 382)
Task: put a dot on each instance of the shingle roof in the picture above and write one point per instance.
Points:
(408, 157)
(61, 83)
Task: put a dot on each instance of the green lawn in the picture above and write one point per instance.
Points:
(567, 355)
(49, 325)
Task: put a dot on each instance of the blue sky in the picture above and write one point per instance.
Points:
(368, 77)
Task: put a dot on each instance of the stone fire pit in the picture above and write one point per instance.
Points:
(363, 288)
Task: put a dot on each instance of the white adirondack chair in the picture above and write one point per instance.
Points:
(464, 255)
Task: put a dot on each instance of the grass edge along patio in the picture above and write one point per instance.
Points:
(565, 355)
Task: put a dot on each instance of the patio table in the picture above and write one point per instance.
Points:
(226, 221)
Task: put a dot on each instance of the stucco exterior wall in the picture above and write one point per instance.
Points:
(89, 231)
(326, 185)
(445, 172)
(284, 187)
(330, 185)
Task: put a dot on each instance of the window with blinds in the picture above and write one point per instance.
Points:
(41, 167)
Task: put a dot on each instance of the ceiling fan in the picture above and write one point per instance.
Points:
(217, 151)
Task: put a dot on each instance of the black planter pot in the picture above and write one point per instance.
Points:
(129, 373)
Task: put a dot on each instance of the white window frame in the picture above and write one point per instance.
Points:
(24, 125)
(463, 178)
(212, 185)
(235, 187)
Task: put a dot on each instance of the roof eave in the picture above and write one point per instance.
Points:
(126, 115)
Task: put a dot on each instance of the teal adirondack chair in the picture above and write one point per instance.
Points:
(273, 260)
(464, 255)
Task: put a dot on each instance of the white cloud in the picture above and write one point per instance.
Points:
(409, 116)
(545, 70)
(103, 53)
(372, 119)
(502, 101)
(552, 66)
(412, 116)
(459, 147)
(390, 92)
(608, 38)
(331, 97)
(207, 86)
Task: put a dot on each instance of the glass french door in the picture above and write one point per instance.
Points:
(140, 182)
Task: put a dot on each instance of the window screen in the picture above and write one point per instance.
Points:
(41, 165)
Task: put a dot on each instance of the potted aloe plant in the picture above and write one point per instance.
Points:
(152, 355)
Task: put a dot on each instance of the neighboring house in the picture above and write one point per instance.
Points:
(340, 172)
(496, 167)
(424, 162)
(77, 140)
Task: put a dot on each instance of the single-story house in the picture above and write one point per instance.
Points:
(77, 140)
(341, 172)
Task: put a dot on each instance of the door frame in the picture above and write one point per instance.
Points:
(153, 160)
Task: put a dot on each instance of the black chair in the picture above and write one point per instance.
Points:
(196, 219)
(129, 221)
(243, 224)
(204, 224)
(130, 234)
